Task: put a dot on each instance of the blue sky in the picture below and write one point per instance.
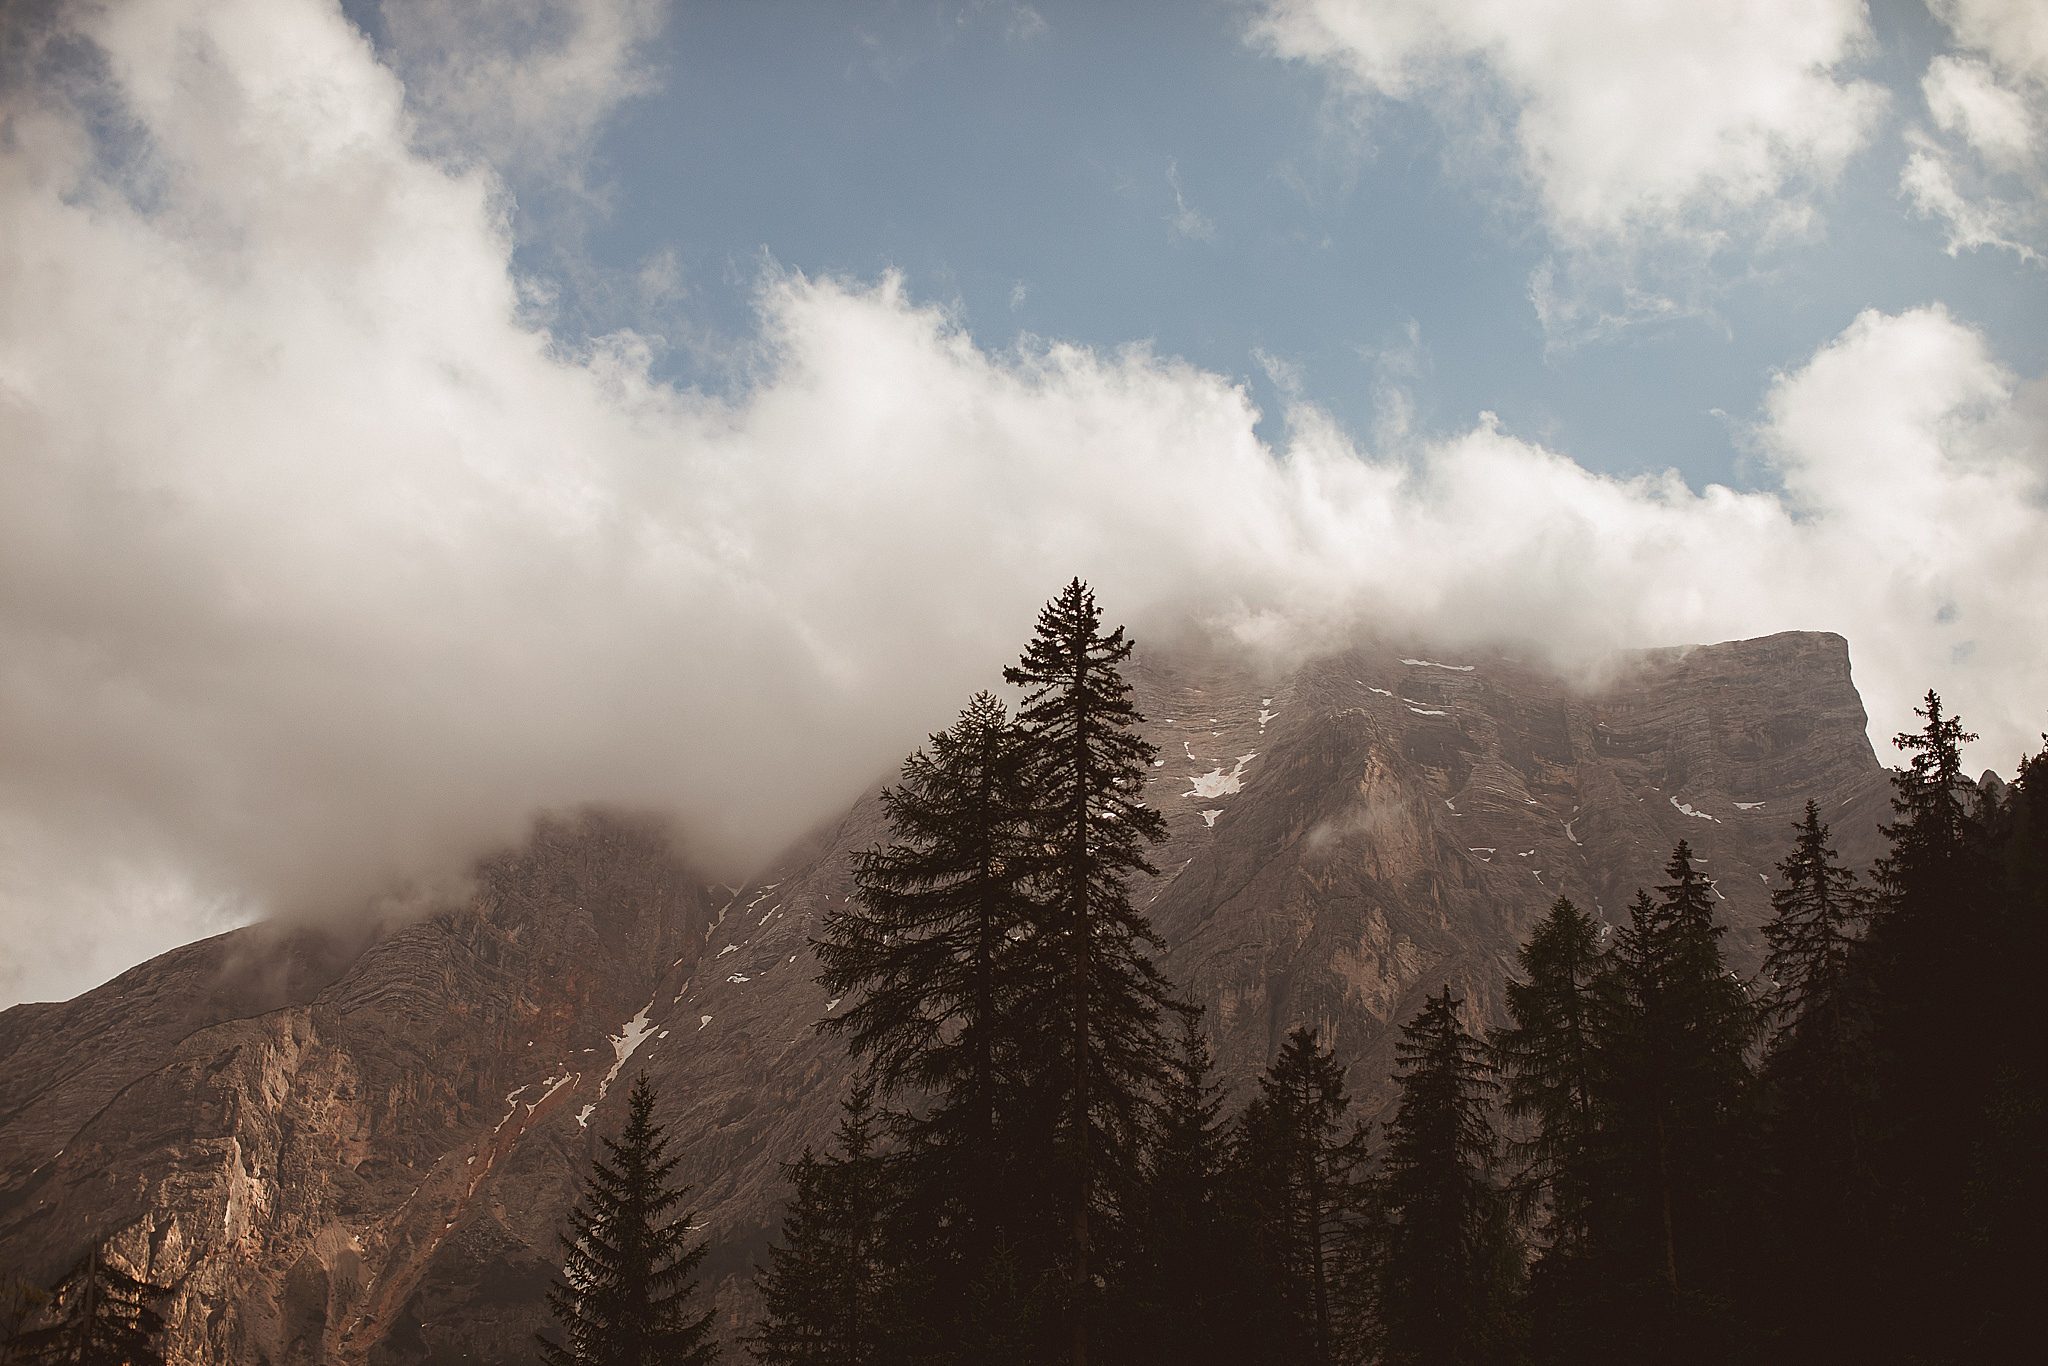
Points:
(420, 414)
(1147, 173)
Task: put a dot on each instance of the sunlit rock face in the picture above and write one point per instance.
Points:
(359, 1146)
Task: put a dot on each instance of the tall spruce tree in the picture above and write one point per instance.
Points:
(2008, 1182)
(99, 1314)
(1815, 1057)
(1933, 945)
(1817, 913)
(1817, 1100)
(1675, 1090)
(1298, 1173)
(1094, 1053)
(931, 952)
(629, 1270)
(1446, 1271)
(1548, 1068)
(833, 1291)
(1185, 1278)
(1550, 1064)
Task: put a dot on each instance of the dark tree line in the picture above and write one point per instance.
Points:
(1650, 1159)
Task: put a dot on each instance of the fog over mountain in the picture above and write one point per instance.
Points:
(327, 560)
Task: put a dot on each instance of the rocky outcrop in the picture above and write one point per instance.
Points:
(358, 1148)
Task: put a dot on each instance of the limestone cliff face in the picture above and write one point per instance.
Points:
(359, 1149)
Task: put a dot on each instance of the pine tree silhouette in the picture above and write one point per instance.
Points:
(931, 951)
(1675, 1092)
(1549, 1058)
(1817, 1099)
(102, 1317)
(1186, 1277)
(630, 1271)
(1299, 1173)
(1095, 998)
(831, 1291)
(1817, 913)
(1445, 1280)
(1548, 1066)
(1934, 943)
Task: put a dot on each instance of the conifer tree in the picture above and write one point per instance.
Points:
(1548, 1066)
(100, 1314)
(831, 1292)
(1929, 935)
(1445, 1276)
(1936, 831)
(929, 952)
(1185, 1275)
(1094, 1006)
(1939, 1040)
(1815, 1056)
(2008, 1181)
(1299, 1175)
(622, 1299)
(1817, 1094)
(1675, 1089)
(1549, 1058)
(1817, 912)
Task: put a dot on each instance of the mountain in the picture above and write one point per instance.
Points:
(357, 1146)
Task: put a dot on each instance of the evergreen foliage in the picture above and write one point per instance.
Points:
(99, 1314)
(831, 1292)
(1817, 1092)
(1937, 1040)
(1445, 1279)
(1817, 911)
(932, 953)
(1548, 1065)
(1551, 1063)
(1675, 1089)
(629, 1269)
(1092, 1053)
(1185, 1276)
(1059, 1179)
(1300, 1177)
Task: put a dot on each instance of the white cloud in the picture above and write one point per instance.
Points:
(1641, 132)
(2014, 32)
(525, 84)
(322, 564)
(1966, 98)
(1628, 119)
(1982, 169)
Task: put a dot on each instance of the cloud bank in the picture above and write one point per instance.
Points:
(1979, 164)
(323, 564)
(1646, 137)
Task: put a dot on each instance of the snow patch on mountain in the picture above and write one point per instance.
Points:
(1217, 783)
(631, 1035)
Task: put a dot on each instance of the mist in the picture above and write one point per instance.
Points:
(325, 563)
